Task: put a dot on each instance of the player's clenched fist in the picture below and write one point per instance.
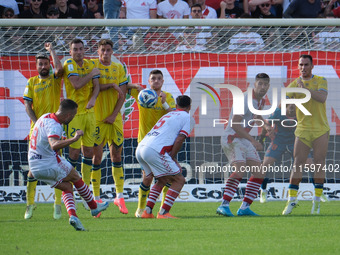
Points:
(78, 134)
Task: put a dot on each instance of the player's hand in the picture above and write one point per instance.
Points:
(95, 71)
(163, 97)
(258, 146)
(48, 46)
(110, 119)
(91, 103)
(78, 134)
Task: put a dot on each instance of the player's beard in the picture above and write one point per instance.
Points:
(44, 72)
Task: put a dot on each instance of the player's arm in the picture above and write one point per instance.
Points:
(317, 95)
(177, 146)
(165, 103)
(59, 70)
(57, 144)
(107, 86)
(241, 132)
(95, 94)
(29, 110)
(79, 82)
(121, 98)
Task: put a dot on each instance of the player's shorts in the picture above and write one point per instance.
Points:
(50, 171)
(109, 133)
(85, 122)
(240, 150)
(308, 137)
(276, 150)
(153, 162)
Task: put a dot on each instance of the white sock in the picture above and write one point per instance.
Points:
(291, 198)
(225, 203)
(317, 199)
(244, 205)
(120, 195)
(97, 198)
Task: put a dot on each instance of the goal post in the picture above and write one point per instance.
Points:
(194, 56)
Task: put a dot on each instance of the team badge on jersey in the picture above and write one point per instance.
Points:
(70, 68)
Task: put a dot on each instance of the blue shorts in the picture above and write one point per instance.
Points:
(277, 150)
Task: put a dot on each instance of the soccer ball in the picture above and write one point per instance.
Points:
(147, 98)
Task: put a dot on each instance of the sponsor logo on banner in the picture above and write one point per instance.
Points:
(189, 193)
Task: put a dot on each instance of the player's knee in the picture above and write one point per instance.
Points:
(116, 158)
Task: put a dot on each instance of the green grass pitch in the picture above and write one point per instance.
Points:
(198, 231)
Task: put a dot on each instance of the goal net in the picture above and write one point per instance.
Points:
(194, 56)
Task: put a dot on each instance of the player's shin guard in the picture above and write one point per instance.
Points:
(154, 193)
(86, 166)
(143, 195)
(165, 190)
(231, 187)
(96, 175)
(57, 196)
(118, 176)
(318, 189)
(69, 203)
(85, 193)
(292, 191)
(170, 198)
(31, 186)
(252, 189)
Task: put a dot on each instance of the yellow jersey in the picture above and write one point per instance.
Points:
(317, 122)
(107, 99)
(148, 117)
(80, 96)
(44, 94)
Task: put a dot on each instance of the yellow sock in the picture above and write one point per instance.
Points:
(318, 192)
(143, 195)
(31, 185)
(165, 190)
(118, 176)
(96, 176)
(57, 196)
(292, 192)
(86, 166)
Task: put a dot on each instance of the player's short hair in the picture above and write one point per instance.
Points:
(262, 76)
(196, 5)
(156, 71)
(67, 105)
(75, 41)
(105, 42)
(41, 55)
(183, 101)
(307, 56)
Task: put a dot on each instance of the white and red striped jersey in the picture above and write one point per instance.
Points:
(47, 126)
(229, 132)
(163, 135)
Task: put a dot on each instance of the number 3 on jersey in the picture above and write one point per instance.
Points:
(161, 122)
